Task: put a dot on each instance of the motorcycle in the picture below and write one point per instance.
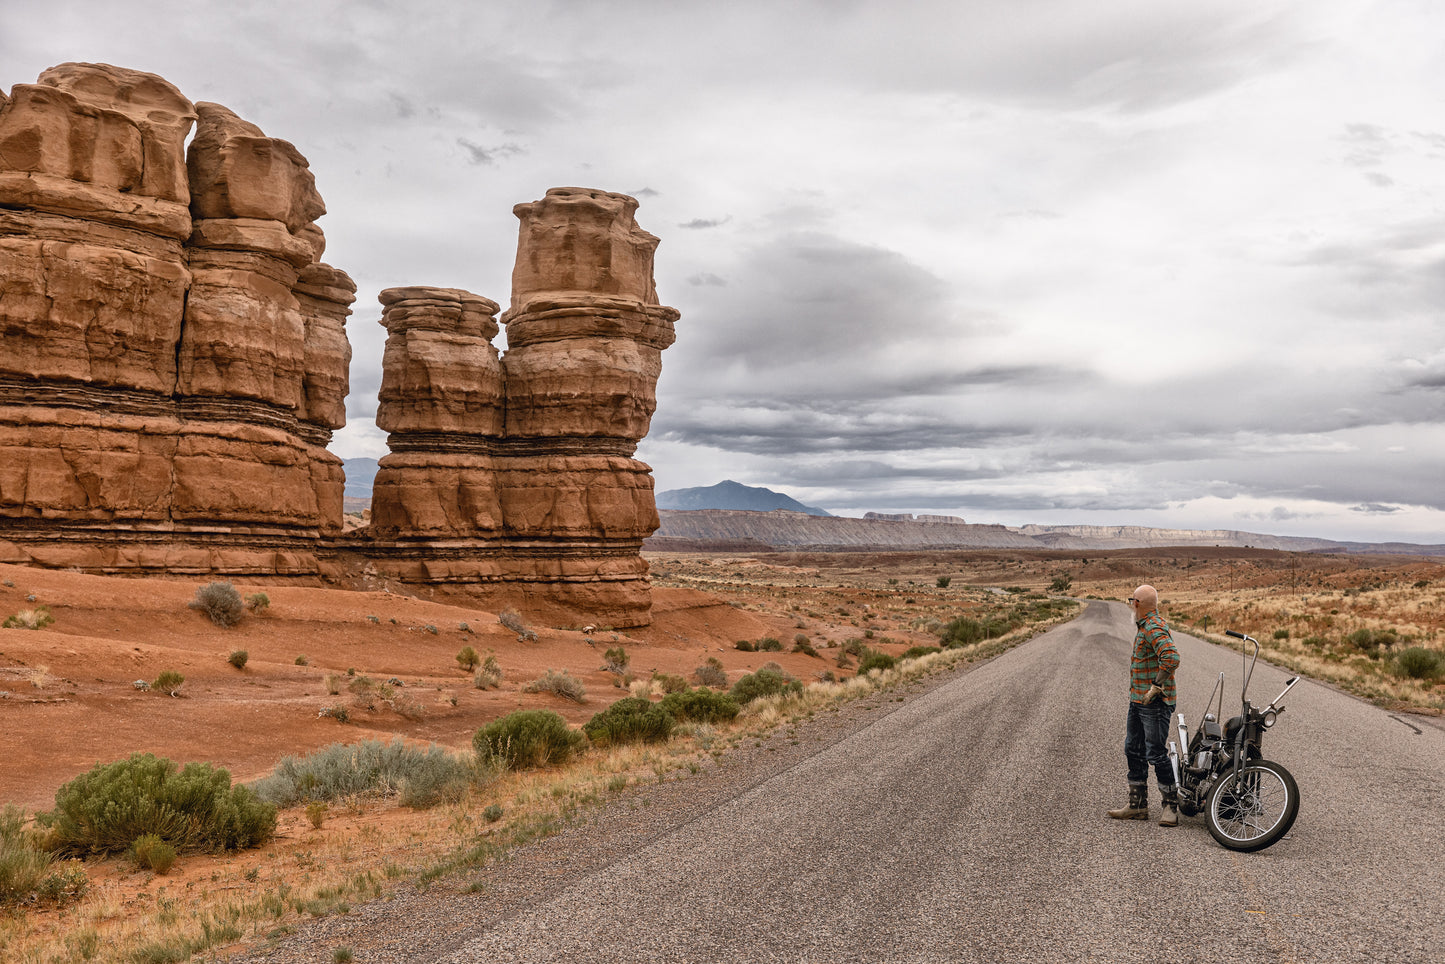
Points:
(1249, 802)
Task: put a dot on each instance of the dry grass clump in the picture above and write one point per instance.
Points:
(562, 684)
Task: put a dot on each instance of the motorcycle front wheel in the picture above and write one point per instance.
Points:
(1255, 810)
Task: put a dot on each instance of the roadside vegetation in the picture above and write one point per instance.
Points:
(526, 776)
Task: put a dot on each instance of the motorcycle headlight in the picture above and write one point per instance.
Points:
(1269, 718)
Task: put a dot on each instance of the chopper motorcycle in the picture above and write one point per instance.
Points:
(1249, 802)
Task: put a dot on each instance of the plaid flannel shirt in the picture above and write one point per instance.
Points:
(1154, 655)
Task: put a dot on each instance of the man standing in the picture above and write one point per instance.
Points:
(1151, 706)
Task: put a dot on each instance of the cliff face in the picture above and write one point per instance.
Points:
(174, 354)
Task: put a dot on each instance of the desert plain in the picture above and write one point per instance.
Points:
(386, 656)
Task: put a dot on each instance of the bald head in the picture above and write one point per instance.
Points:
(1146, 599)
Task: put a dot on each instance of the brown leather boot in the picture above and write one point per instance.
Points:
(1170, 816)
(1138, 806)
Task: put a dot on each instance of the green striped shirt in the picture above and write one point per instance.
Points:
(1153, 650)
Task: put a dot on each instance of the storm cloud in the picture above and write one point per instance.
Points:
(1054, 262)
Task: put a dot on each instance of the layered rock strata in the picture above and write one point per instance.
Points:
(174, 355)
(515, 476)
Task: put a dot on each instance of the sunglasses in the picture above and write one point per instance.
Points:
(1132, 600)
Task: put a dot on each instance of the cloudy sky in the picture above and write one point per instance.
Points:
(1052, 261)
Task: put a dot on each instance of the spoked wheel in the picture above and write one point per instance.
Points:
(1255, 810)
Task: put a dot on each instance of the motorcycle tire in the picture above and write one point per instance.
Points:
(1255, 811)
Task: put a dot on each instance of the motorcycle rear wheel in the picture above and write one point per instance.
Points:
(1256, 810)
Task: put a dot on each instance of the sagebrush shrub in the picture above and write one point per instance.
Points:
(802, 645)
(221, 602)
(468, 659)
(669, 683)
(700, 706)
(193, 809)
(629, 720)
(943, 581)
(765, 682)
(745, 645)
(258, 602)
(563, 684)
(527, 739)
(1417, 662)
(712, 674)
(768, 645)
(238, 658)
(875, 660)
(962, 631)
(420, 776)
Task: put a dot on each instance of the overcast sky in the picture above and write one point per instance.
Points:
(1024, 261)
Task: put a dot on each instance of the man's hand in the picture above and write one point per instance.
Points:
(1153, 694)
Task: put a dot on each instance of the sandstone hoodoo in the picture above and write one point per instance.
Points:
(513, 476)
(174, 360)
(175, 357)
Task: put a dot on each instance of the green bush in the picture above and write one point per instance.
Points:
(629, 720)
(875, 660)
(943, 581)
(194, 809)
(745, 645)
(1061, 583)
(700, 706)
(528, 738)
(916, 652)
(1417, 662)
(238, 658)
(258, 602)
(961, 631)
(670, 683)
(802, 645)
(221, 602)
(468, 659)
(37, 618)
(965, 630)
(563, 684)
(1281, 634)
(765, 682)
(421, 777)
(769, 645)
(28, 871)
(152, 853)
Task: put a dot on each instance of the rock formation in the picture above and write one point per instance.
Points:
(174, 356)
(515, 476)
(173, 361)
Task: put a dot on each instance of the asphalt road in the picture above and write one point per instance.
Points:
(966, 824)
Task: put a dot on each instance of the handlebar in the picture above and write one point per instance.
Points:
(1236, 635)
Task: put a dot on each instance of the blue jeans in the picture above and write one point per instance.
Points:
(1146, 742)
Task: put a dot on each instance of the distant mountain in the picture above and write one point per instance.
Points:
(741, 530)
(360, 474)
(733, 495)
